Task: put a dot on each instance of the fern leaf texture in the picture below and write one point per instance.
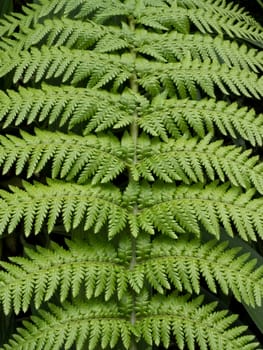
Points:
(130, 147)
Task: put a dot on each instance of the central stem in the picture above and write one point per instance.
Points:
(134, 134)
(134, 130)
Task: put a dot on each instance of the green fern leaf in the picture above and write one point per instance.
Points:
(64, 32)
(175, 46)
(71, 155)
(50, 201)
(177, 117)
(187, 321)
(183, 263)
(138, 156)
(47, 271)
(185, 207)
(102, 272)
(187, 75)
(72, 34)
(190, 160)
(221, 21)
(72, 65)
(89, 320)
(68, 105)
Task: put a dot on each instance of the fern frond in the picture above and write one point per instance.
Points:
(177, 117)
(220, 6)
(32, 15)
(70, 65)
(100, 110)
(225, 9)
(35, 14)
(72, 156)
(193, 160)
(91, 323)
(184, 77)
(138, 152)
(228, 19)
(69, 106)
(224, 19)
(169, 46)
(101, 272)
(59, 32)
(16, 21)
(95, 323)
(177, 210)
(215, 20)
(185, 207)
(183, 263)
(187, 322)
(102, 159)
(39, 204)
(94, 269)
(175, 46)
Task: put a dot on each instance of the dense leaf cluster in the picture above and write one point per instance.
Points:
(124, 128)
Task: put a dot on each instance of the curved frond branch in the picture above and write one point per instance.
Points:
(104, 324)
(35, 13)
(225, 18)
(92, 323)
(96, 270)
(13, 22)
(73, 157)
(186, 207)
(188, 322)
(216, 20)
(92, 109)
(177, 117)
(99, 271)
(63, 31)
(99, 69)
(192, 160)
(174, 46)
(230, 9)
(182, 263)
(185, 77)
(100, 110)
(66, 64)
(74, 204)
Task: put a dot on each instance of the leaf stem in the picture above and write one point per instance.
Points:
(134, 130)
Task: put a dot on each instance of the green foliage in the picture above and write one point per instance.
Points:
(98, 322)
(104, 271)
(133, 124)
(103, 158)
